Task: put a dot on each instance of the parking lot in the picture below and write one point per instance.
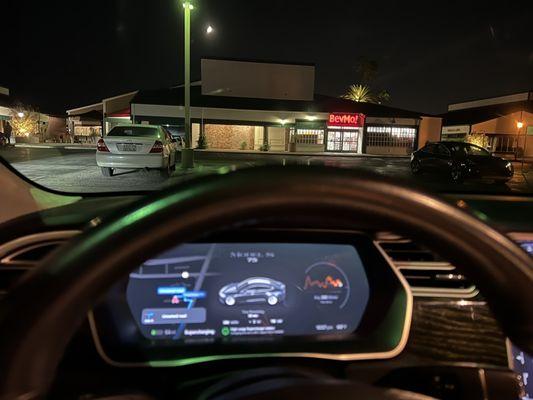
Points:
(74, 170)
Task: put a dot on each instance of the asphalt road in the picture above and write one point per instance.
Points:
(75, 170)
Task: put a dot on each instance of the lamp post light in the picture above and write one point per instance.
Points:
(187, 154)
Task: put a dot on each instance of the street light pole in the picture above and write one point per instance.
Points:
(187, 154)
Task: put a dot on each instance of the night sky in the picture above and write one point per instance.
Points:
(62, 54)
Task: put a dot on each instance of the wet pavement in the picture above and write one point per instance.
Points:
(75, 170)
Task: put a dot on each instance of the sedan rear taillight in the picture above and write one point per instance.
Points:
(101, 146)
(157, 147)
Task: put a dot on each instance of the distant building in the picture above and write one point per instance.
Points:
(507, 122)
(5, 107)
(252, 105)
(85, 124)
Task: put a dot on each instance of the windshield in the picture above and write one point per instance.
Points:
(435, 97)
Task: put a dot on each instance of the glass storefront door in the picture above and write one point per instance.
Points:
(343, 140)
(334, 141)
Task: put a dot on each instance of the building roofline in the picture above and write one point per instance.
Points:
(260, 61)
(87, 106)
(134, 92)
(492, 100)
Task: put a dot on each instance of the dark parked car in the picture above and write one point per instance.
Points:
(461, 161)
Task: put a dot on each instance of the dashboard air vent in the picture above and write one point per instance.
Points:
(427, 274)
(19, 256)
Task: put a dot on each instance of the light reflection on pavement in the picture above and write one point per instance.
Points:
(75, 171)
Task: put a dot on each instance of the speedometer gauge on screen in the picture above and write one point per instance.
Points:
(233, 290)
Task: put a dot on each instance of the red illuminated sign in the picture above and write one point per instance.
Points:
(346, 119)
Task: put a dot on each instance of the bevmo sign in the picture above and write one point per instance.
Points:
(346, 119)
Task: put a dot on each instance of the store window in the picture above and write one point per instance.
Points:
(310, 136)
(343, 140)
(391, 136)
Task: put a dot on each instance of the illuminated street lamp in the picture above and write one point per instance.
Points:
(209, 30)
(519, 125)
(20, 114)
(187, 154)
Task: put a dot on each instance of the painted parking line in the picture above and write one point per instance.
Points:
(34, 146)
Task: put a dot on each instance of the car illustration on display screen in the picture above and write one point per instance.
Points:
(253, 290)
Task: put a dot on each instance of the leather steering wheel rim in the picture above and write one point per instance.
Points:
(69, 282)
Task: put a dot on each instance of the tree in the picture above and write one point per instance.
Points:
(24, 121)
(479, 139)
(367, 70)
(359, 94)
(362, 92)
(383, 97)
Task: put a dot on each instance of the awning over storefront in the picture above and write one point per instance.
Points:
(120, 114)
(92, 117)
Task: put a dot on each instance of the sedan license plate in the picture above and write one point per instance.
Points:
(128, 147)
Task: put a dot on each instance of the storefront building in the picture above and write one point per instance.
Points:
(84, 124)
(87, 124)
(245, 105)
(345, 132)
(503, 125)
(5, 110)
(236, 107)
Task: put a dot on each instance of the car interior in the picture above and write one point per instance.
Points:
(269, 282)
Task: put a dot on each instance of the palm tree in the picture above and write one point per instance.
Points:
(359, 94)
(383, 97)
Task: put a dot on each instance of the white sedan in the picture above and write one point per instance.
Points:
(137, 147)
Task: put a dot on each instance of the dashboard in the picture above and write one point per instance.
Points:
(434, 343)
(215, 290)
(300, 297)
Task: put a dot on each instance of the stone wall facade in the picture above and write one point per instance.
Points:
(230, 137)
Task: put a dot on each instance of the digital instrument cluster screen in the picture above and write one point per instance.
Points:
(232, 290)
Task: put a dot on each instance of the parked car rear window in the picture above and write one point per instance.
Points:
(137, 131)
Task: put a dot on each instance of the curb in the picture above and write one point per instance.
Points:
(45, 146)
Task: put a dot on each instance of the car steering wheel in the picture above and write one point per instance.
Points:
(39, 316)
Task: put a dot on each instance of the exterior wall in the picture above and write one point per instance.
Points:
(276, 138)
(455, 132)
(5, 112)
(230, 137)
(110, 123)
(117, 103)
(429, 130)
(505, 124)
(56, 130)
(259, 134)
(314, 148)
(195, 131)
(528, 149)
(266, 117)
(257, 80)
(392, 121)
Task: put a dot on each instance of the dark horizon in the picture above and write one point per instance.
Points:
(65, 55)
